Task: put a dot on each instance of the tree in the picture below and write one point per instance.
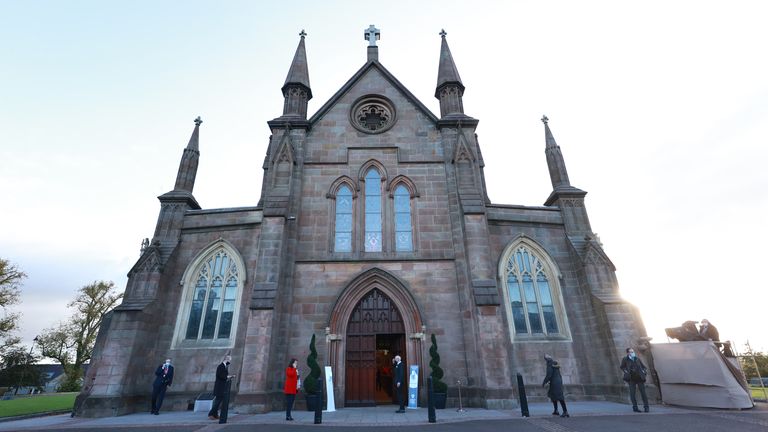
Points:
(310, 384)
(437, 371)
(748, 364)
(71, 342)
(10, 282)
(18, 369)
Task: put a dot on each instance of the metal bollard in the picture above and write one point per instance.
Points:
(523, 398)
(225, 402)
(458, 383)
(319, 406)
(431, 401)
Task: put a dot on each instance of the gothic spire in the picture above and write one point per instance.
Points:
(296, 89)
(449, 86)
(185, 179)
(557, 172)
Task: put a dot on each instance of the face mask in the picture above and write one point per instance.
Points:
(167, 364)
(632, 355)
(226, 363)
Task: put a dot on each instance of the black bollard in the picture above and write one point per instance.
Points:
(319, 406)
(523, 398)
(225, 402)
(431, 401)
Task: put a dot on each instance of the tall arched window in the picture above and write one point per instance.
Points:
(532, 293)
(208, 315)
(403, 227)
(343, 234)
(372, 211)
(213, 302)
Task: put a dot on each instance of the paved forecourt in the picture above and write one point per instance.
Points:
(585, 416)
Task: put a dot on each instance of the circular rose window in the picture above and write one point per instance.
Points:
(373, 114)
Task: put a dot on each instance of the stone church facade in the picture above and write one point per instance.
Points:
(373, 231)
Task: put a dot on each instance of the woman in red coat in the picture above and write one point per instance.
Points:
(292, 384)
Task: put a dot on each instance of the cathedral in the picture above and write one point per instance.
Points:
(373, 232)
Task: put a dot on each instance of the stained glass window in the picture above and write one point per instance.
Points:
(373, 211)
(403, 228)
(214, 298)
(343, 235)
(530, 295)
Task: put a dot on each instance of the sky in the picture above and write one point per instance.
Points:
(660, 109)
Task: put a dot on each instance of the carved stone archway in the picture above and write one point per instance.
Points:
(341, 311)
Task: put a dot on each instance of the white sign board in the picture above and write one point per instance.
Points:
(413, 387)
(329, 389)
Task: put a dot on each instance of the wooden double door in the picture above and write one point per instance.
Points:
(375, 335)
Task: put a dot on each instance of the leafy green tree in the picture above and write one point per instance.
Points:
(310, 383)
(18, 369)
(10, 282)
(437, 371)
(71, 343)
(748, 364)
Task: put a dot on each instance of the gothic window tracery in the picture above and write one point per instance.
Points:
(208, 314)
(532, 294)
(343, 231)
(373, 114)
(373, 237)
(403, 225)
(213, 303)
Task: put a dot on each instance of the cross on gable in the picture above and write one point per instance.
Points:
(198, 120)
(442, 33)
(303, 33)
(545, 119)
(371, 34)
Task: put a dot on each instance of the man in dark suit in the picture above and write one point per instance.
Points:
(163, 380)
(399, 383)
(220, 386)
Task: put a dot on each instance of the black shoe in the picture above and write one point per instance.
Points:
(555, 412)
(646, 409)
(156, 413)
(289, 419)
(400, 411)
(565, 414)
(635, 409)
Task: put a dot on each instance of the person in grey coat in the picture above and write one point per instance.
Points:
(555, 381)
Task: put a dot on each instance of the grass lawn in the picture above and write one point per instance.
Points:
(37, 404)
(757, 393)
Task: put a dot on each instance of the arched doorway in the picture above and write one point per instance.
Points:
(372, 303)
(375, 334)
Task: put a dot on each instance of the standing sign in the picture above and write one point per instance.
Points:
(413, 387)
(329, 389)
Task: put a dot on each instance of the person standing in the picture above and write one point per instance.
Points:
(220, 386)
(163, 380)
(634, 374)
(555, 381)
(399, 386)
(292, 385)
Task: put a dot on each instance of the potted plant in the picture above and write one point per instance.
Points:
(440, 388)
(310, 384)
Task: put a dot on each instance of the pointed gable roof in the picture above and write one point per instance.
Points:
(372, 64)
